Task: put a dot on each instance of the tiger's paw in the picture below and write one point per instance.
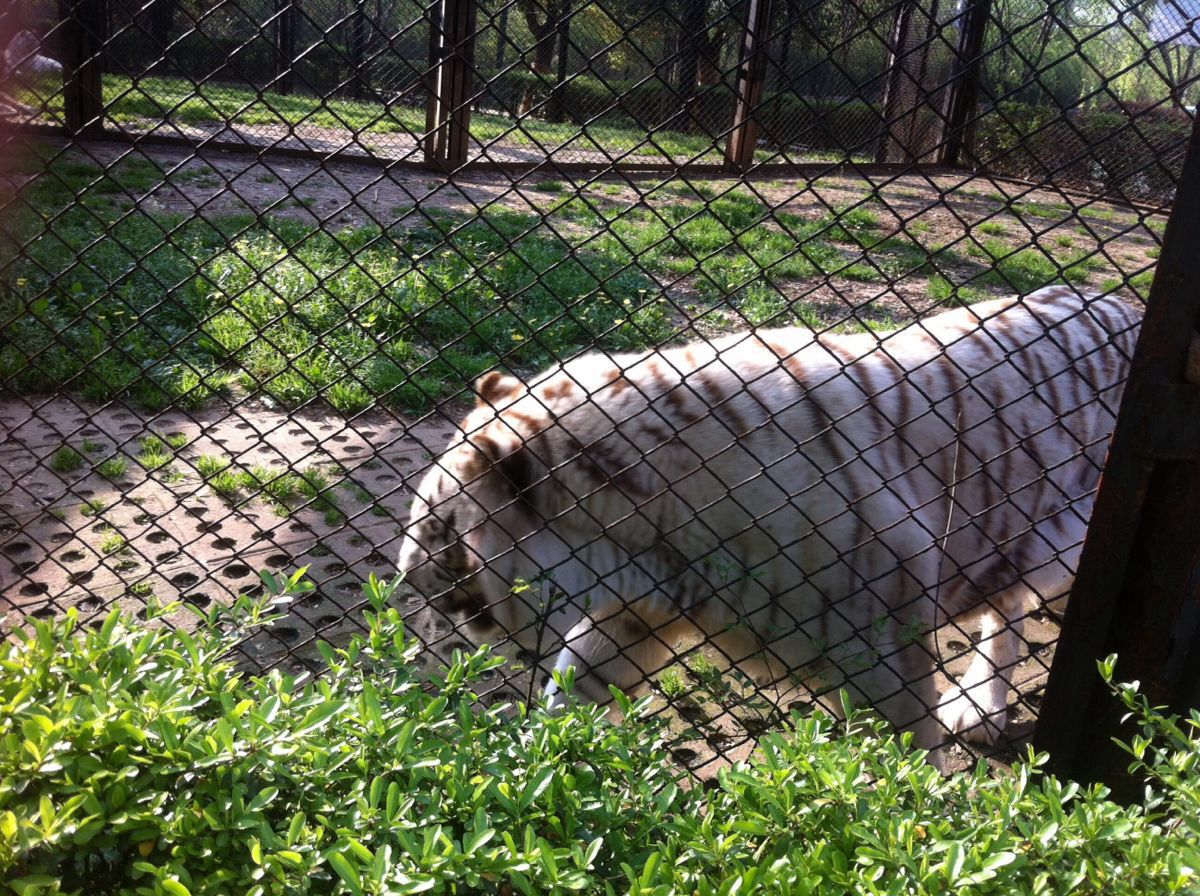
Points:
(978, 718)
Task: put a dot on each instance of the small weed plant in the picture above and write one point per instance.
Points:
(92, 507)
(113, 468)
(139, 759)
(66, 460)
(154, 453)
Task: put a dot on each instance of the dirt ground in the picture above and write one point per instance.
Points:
(79, 539)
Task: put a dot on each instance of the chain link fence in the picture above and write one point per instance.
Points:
(1086, 96)
(261, 260)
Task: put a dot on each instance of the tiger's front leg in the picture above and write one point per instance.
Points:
(620, 649)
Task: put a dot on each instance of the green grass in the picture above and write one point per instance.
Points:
(92, 507)
(410, 315)
(209, 466)
(113, 468)
(404, 317)
(90, 447)
(1045, 210)
(672, 683)
(993, 228)
(185, 102)
(66, 460)
(153, 453)
(114, 543)
(284, 490)
(227, 484)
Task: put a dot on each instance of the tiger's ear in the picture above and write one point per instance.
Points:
(493, 387)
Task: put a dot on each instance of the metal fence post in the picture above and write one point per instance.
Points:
(965, 84)
(1137, 593)
(751, 79)
(451, 57)
(82, 62)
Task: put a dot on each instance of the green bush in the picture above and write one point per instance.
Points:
(138, 759)
(1135, 149)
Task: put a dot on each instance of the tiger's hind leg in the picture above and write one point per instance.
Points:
(977, 707)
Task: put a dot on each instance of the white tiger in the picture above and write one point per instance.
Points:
(863, 489)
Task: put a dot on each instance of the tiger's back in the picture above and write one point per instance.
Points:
(800, 502)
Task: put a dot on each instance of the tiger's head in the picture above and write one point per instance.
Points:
(475, 530)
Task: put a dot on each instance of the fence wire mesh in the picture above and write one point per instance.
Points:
(219, 361)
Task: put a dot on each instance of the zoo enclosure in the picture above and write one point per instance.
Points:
(217, 362)
(1085, 94)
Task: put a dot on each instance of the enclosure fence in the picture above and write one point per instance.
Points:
(1090, 95)
(260, 260)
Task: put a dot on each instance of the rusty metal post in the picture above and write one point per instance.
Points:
(751, 80)
(965, 84)
(1137, 593)
(83, 23)
(451, 58)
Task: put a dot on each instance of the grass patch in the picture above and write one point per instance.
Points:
(113, 468)
(672, 683)
(66, 460)
(92, 507)
(111, 308)
(284, 490)
(153, 453)
(115, 543)
(184, 101)
(1044, 210)
(993, 228)
(208, 466)
(227, 484)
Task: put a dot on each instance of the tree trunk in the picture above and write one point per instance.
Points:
(785, 47)
(162, 20)
(557, 105)
(1030, 73)
(693, 30)
(665, 77)
(544, 32)
(501, 36)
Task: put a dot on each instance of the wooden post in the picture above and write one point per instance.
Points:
(83, 83)
(448, 109)
(751, 77)
(1137, 592)
(965, 82)
(285, 45)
